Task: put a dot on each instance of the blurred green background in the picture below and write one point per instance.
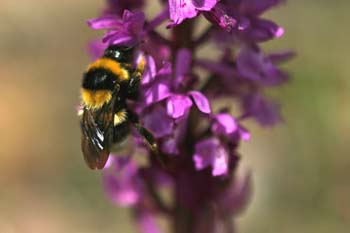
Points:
(301, 168)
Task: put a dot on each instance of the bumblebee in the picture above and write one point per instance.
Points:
(105, 117)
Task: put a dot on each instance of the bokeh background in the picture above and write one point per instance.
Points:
(301, 168)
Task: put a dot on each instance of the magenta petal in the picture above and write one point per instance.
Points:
(178, 105)
(204, 5)
(180, 10)
(165, 69)
(219, 16)
(159, 122)
(150, 70)
(121, 182)
(96, 49)
(106, 22)
(224, 124)
(245, 135)
(157, 92)
(136, 20)
(263, 30)
(211, 152)
(201, 101)
(118, 38)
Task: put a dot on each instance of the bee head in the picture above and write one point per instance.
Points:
(122, 54)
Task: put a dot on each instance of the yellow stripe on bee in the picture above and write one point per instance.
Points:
(111, 65)
(120, 117)
(95, 99)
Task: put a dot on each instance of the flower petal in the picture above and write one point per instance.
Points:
(252, 64)
(105, 22)
(178, 105)
(150, 70)
(121, 182)
(186, 9)
(96, 49)
(211, 152)
(224, 124)
(265, 112)
(158, 121)
(157, 92)
(180, 10)
(201, 101)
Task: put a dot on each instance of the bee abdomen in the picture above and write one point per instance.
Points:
(121, 131)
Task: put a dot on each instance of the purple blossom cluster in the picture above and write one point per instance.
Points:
(198, 157)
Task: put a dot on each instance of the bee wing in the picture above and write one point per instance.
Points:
(97, 134)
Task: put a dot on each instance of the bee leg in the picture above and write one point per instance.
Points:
(134, 82)
(133, 87)
(146, 134)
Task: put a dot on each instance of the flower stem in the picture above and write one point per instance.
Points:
(182, 37)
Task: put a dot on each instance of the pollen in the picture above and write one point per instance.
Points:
(95, 99)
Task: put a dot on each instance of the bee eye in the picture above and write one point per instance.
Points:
(116, 54)
(112, 54)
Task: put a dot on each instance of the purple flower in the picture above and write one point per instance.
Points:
(96, 49)
(265, 112)
(170, 144)
(125, 31)
(253, 65)
(163, 86)
(158, 121)
(197, 154)
(242, 19)
(224, 124)
(186, 9)
(179, 105)
(210, 152)
(121, 181)
(156, 83)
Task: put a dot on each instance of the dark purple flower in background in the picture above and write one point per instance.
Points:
(198, 144)
(264, 111)
(252, 64)
(242, 19)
